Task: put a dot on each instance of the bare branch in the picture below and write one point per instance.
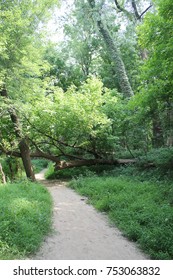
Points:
(121, 9)
(144, 12)
(134, 6)
(118, 6)
(137, 15)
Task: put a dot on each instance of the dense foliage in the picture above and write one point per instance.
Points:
(156, 93)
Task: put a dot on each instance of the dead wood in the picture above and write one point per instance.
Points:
(79, 163)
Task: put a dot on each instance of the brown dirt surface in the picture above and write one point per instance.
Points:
(80, 232)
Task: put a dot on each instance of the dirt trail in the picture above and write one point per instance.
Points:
(80, 232)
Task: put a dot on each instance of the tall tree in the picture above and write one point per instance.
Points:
(18, 29)
(113, 51)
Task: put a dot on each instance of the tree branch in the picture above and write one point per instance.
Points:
(134, 6)
(61, 142)
(118, 6)
(40, 153)
(55, 158)
(137, 15)
(9, 153)
(146, 10)
(121, 9)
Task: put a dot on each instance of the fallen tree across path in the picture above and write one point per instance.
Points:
(79, 163)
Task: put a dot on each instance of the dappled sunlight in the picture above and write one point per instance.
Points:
(20, 205)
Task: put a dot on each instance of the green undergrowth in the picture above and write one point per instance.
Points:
(12, 168)
(142, 209)
(156, 165)
(25, 218)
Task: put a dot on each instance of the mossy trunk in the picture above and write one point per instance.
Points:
(117, 60)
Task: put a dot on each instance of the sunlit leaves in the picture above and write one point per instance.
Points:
(76, 115)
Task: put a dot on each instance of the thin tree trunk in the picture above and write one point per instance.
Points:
(115, 56)
(2, 174)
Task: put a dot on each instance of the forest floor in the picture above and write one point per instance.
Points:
(80, 232)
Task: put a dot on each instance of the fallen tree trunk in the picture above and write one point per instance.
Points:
(79, 163)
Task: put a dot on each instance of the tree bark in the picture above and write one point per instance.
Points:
(115, 56)
(26, 159)
(2, 174)
(79, 163)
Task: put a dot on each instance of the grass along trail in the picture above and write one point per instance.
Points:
(80, 232)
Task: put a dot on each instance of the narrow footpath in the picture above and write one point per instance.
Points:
(80, 232)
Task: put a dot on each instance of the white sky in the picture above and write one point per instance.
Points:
(55, 26)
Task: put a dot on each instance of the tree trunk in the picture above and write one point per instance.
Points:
(2, 174)
(26, 159)
(115, 56)
(118, 62)
(79, 163)
(23, 145)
